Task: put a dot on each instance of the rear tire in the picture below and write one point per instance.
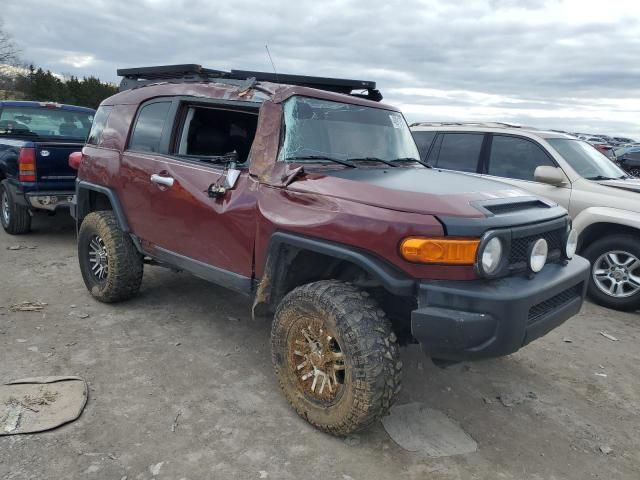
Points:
(15, 218)
(607, 271)
(110, 264)
(335, 356)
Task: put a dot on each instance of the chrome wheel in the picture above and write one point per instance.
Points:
(317, 361)
(617, 274)
(6, 213)
(98, 258)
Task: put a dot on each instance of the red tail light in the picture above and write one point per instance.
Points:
(27, 164)
(74, 160)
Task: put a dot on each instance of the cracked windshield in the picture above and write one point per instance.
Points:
(320, 130)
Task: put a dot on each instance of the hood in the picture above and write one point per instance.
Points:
(416, 190)
(631, 184)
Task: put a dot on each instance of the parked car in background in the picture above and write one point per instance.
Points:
(629, 159)
(309, 197)
(601, 144)
(602, 199)
(606, 150)
(36, 139)
(623, 140)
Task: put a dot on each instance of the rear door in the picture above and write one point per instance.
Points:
(514, 159)
(457, 151)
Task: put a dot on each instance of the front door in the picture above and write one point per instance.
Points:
(166, 197)
(514, 160)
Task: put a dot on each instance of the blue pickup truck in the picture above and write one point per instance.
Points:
(36, 139)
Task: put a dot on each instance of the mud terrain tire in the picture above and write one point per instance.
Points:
(100, 231)
(367, 350)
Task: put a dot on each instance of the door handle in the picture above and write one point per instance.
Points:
(160, 180)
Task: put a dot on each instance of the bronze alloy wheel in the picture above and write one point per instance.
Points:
(316, 360)
(335, 356)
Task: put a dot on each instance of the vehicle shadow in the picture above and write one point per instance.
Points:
(60, 225)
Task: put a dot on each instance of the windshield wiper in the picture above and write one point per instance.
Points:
(600, 177)
(411, 159)
(320, 157)
(372, 159)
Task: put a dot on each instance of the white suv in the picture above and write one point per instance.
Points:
(602, 199)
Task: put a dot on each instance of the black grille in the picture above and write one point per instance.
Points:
(501, 209)
(519, 257)
(541, 309)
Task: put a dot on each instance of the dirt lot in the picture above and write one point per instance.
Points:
(190, 348)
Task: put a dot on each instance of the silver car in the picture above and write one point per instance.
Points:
(602, 199)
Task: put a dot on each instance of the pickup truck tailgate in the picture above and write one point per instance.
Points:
(52, 165)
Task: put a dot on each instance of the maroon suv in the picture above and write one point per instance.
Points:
(308, 196)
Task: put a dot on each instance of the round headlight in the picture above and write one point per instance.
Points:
(572, 244)
(491, 256)
(538, 255)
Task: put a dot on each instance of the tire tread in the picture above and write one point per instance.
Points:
(125, 262)
(377, 369)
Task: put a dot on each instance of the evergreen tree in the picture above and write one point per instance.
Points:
(44, 86)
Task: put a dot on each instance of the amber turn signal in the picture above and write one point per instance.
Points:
(440, 250)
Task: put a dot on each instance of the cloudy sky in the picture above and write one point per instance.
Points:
(565, 64)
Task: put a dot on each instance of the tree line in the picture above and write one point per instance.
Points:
(40, 85)
(20, 82)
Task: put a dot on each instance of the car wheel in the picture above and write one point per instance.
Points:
(110, 264)
(15, 218)
(335, 356)
(615, 272)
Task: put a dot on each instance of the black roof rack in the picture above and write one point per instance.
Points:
(136, 77)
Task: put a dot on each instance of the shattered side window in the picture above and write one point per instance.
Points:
(322, 128)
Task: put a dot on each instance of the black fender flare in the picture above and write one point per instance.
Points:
(284, 246)
(82, 206)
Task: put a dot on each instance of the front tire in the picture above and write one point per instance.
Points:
(335, 356)
(15, 218)
(110, 264)
(615, 272)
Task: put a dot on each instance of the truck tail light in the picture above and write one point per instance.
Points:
(460, 251)
(27, 164)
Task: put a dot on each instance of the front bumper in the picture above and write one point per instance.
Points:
(50, 200)
(471, 320)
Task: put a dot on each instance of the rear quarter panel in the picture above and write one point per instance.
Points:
(101, 163)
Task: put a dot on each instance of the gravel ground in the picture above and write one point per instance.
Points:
(189, 350)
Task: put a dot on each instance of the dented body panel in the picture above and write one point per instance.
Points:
(284, 223)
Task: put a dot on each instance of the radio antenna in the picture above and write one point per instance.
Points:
(272, 64)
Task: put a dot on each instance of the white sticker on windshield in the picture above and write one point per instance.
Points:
(396, 120)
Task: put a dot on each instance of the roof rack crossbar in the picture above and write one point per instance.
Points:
(467, 124)
(135, 77)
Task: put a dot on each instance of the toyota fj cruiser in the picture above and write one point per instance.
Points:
(307, 195)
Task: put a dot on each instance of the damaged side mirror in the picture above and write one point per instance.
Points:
(226, 182)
